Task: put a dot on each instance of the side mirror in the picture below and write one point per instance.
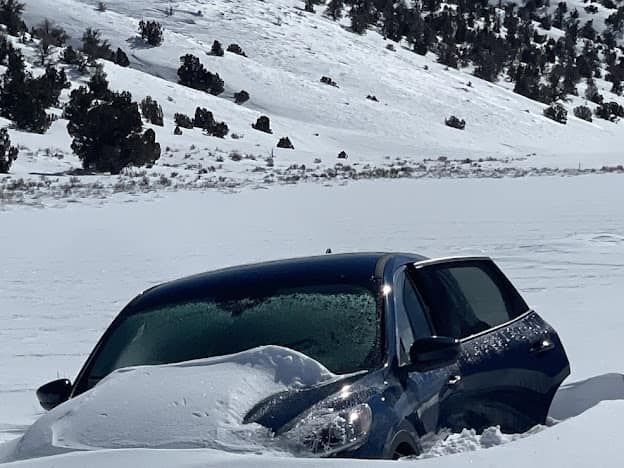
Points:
(434, 352)
(54, 393)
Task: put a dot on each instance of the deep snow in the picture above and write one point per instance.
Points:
(195, 404)
(66, 272)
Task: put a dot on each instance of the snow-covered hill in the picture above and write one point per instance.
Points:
(288, 50)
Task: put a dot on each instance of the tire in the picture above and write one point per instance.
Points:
(403, 445)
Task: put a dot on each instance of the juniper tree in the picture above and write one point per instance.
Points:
(8, 153)
(11, 16)
(49, 36)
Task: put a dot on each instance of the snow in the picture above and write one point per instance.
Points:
(88, 244)
(196, 404)
(288, 52)
(66, 272)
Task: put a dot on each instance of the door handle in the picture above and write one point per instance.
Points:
(542, 346)
(454, 381)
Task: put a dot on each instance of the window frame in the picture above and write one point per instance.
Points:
(506, 287)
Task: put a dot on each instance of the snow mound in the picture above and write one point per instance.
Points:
(196, 404)
(468, 440)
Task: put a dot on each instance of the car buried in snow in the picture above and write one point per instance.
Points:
(413, 345)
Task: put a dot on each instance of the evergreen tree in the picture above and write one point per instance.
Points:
(49, 36)
(151, 32)
(193, 74)
(152, 111)
(108, 137)
(18, 98)
(8, 153)
(361, 15)
(94, 47)
(11, 16)
(183, 120)
(217, 49)
(334, 9)
(121, 58)
(47, 88)
(98, 84)
(591, 92)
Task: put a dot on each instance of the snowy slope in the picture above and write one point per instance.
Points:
(288, 51)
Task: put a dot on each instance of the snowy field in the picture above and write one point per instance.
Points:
(65, 272)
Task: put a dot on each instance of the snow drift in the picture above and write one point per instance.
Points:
(196, 404)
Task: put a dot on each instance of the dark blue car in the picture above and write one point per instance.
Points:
(418, 344)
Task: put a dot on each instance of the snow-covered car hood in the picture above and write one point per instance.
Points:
(195, 404)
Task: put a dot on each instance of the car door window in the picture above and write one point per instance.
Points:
(415, 310)
(467, 297)
(411, 318)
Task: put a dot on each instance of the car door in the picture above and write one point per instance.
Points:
(423, 390)
(512, 361)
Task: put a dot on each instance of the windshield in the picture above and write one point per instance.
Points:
(337, 325)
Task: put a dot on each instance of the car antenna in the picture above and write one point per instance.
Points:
(328, 251)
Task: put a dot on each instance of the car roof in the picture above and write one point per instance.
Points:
(358, 268)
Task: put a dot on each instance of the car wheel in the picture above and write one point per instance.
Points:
(403, 445)
(403, 450)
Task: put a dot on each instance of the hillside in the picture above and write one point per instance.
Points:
(288, 51)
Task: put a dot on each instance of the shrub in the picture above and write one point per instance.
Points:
(263, 124)
(328, 81)
(203, 119)
(193, 74)
(217, 49)
(120, 58)
(183, 120)
(152, 111)
(583, 112)
(557, 112)
(11, 16)
(610, 111)
(455, 122)
(101, 7)
(342, 155)
(71, 56)
(8, 153)
(241, 97)
(236, 49)
(177, 131)
(151, 32)
(591, 92)
(220, 130)
(107, 135)
(285, 142)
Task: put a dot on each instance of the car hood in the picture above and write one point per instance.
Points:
(211, 403)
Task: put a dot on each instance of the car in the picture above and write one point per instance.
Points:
(416, 345)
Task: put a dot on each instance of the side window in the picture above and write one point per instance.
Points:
(468, 297)
(405, 336)
(415, 310)
(411, 319)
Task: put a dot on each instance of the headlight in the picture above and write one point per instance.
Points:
(326, 431)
